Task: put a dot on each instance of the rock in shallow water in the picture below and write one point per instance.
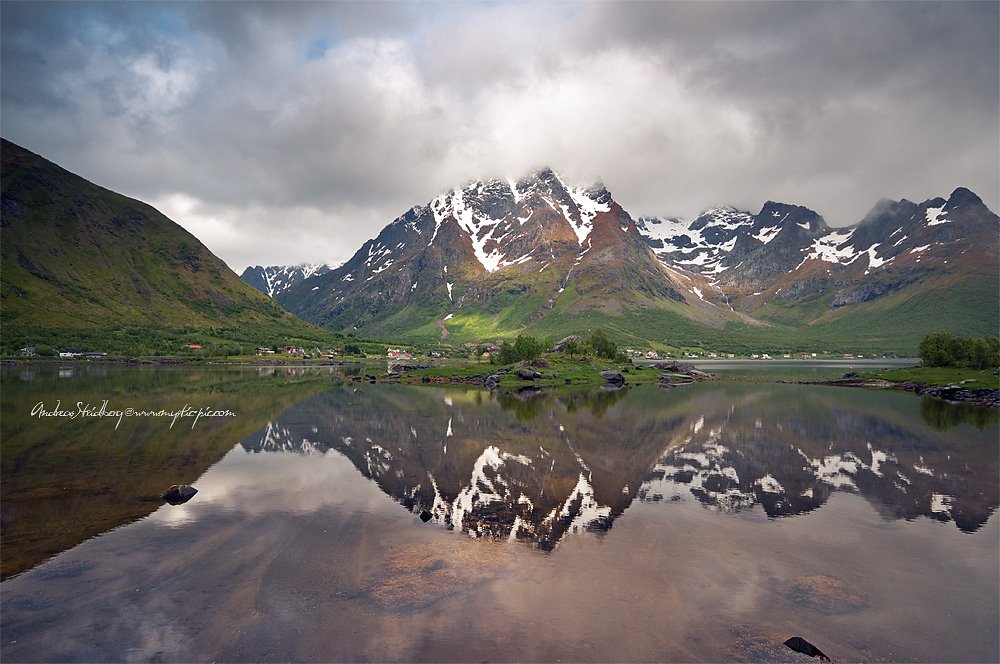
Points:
(179, 494)
(798, 644)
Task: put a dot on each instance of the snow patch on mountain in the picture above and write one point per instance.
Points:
(701, 244)
(765, 235)
(662, 230)
(587, 208)
(873, 260)
(936, 216)
(833, 248)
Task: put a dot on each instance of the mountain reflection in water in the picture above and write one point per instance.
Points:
(305, 541)
(538, 466)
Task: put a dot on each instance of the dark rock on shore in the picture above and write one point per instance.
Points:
(402, 368)
(685, 368)
(982, 396)
(613, 377)
(527, 374)
(978, 396)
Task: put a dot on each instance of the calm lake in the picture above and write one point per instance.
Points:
(345, 521)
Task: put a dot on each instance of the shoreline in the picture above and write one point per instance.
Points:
(981, 397)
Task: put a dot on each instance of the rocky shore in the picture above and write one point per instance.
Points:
(984, 397)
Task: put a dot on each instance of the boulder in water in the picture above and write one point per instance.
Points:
(178, 494)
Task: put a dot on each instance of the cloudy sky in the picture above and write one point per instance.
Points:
(283, 133)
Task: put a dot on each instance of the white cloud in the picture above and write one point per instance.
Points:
(314, 125)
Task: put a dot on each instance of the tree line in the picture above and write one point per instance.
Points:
(941, 349)
(526, 348)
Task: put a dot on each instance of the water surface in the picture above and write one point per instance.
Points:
(341, 521)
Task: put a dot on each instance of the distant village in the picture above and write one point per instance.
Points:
(482, 351)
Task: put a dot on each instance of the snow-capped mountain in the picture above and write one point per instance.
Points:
(276, 279)
(502, 256)
(783, 245)
(497, 249)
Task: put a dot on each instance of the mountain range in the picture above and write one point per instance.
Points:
(275, 279)
(500, 257)
(539, 255)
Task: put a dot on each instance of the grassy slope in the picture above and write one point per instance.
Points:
(970, 308)
(85, 260)
(966, 306)
(894, 324)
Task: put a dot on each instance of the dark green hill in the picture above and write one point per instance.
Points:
(78, 257)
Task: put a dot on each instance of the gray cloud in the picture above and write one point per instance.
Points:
(292, 132)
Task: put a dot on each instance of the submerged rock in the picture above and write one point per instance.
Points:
(178, 494)
(798, 644)
(826, 594)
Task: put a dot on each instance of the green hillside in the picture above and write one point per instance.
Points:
(97, 266)
(894, 325)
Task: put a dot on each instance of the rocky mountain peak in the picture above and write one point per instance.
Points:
(782, 215)
(963, 198)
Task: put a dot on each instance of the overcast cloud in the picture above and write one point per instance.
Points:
(284, 133)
